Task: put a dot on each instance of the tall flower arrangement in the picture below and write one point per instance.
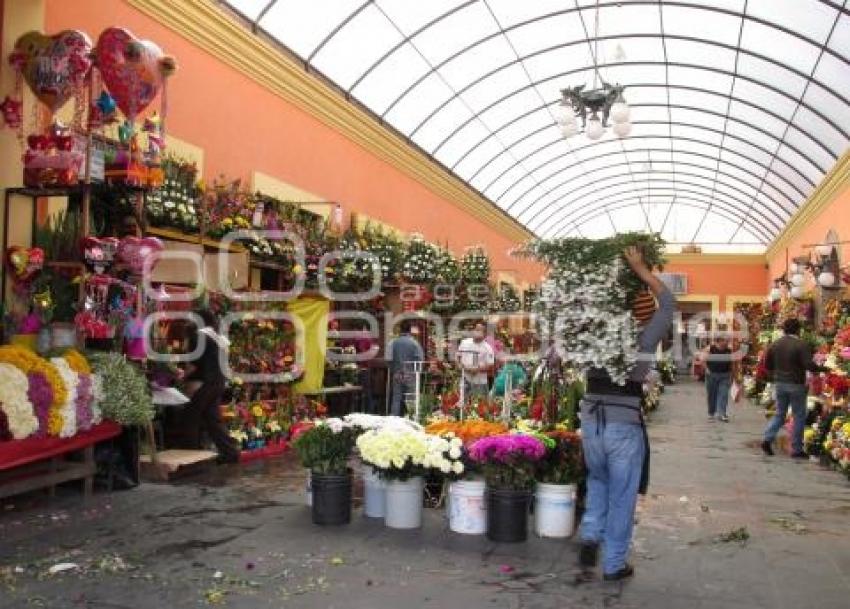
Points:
(29, 363)
(420, 263)
(475, 266)
(388, 248)
(174, 204)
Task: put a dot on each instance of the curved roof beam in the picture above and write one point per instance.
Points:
(628, 171)
(680, 200)
(674, 195)
(516, 26)
(598, 195)
(627, 164)
(733, 98)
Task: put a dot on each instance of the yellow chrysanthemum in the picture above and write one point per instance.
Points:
(77, 362)
(28, 362)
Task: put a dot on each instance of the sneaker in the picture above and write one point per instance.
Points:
(624, 573)
(800, 455)
(767, 448)
(725, 418)
(711, 418)
(588, 556)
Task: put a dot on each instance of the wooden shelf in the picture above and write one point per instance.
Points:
(175, 235)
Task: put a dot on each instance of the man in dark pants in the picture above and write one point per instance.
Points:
(206, 378)
(787, 361)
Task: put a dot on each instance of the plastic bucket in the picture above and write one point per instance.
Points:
(374, 494)
(555, 510)
(63, 336)
(507, 515)
(404, 504)
(467, 507)
(331, 499)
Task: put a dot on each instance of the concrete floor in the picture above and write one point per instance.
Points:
(241, 538)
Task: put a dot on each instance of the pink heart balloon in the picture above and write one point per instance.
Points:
(130, 68)
(54, 67)
(134, 251)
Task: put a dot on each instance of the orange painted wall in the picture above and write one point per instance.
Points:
(723, 279)
(835, 216)
(243, 128)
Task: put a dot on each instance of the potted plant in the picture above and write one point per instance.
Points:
(509, 463)
(324, 450)
(403, 457)
(558, 474)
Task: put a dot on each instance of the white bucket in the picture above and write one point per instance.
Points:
(374, 494)
(467, 507)
(308, 488)
(404, 504)
(555, 510)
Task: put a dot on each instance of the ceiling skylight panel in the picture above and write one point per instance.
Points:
(303, 24)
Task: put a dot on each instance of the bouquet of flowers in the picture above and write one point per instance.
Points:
(174, 203)
(468, 431)
(400, 455)
(448, 270)
(507, 300)
(389, 250)
(326, 447)
(564, 461)
(475, 266)
(420, 262)
(363, 422)
(509, 461)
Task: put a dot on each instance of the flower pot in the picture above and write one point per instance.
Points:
(507, 515)
(331, 499)
(555, 510)
(467, 507)
(63, 336)
(374, 494)
(404, 504)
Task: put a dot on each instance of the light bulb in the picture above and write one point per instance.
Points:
(823, 250)
(620, 112)
(775, 294)
(565, 115)
(798, 279)
(569, 130)
(797, 292)
(622, 129)
(594, 129)
(826, 279)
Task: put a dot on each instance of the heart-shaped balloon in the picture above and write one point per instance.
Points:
(99, 253)
(131, 69)
(54, 67)
(24, 263)
(134, 251)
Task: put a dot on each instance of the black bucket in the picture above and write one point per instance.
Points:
(331, 499)
(507, 515)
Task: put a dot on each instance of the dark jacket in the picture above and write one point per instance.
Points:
(789, 358)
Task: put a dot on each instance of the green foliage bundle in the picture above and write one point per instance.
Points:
(126, 394)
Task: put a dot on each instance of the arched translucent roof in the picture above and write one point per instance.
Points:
(739, 107)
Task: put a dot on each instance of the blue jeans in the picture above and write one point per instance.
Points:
(614, 458)
(795, 396)
(717, 387)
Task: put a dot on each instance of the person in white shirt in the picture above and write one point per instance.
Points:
(476, 357)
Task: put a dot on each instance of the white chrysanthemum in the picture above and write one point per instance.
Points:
(15, 402)
(69, 408)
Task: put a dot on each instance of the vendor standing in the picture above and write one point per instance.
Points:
(205, 383)
(476, 357)
(616, 448)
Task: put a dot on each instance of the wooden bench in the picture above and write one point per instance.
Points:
(39, 463)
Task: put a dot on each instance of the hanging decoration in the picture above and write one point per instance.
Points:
(139, 254)
(24, 263)
(98, 253)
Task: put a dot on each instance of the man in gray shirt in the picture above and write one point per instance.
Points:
(402, 351)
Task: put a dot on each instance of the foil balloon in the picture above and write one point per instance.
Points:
(98, 253)
(131, 69)
(106, 104)
(138, 253)
(24, 263)
(54, 67)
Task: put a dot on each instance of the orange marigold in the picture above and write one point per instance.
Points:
(77, 361)
(468, 431)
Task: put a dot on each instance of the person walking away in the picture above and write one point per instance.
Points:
(475, 357)
(718, 378)
(615, 444)
(403, 350)
(787, 361)
(206, 383)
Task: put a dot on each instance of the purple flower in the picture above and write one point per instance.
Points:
(85, 416)
(40, 393)
(507, 449)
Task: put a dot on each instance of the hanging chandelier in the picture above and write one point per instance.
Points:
(594, 108)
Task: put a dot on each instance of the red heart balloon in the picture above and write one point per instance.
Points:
(24, 263)
(131, 69)
(54, 67)
(99, 253)
(134, 251)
